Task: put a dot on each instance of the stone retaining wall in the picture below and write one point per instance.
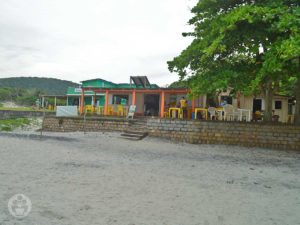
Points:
(276, 136)
(70, 124)
(7, 114)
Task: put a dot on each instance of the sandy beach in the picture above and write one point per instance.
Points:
(99, 178)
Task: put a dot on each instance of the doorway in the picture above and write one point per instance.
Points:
(257, 105)
(151, 105)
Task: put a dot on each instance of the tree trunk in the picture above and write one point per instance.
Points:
(297, 110)
(268, 101)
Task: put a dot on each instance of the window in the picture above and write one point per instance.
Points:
(228, 99)
(120, 99)
(278, 104)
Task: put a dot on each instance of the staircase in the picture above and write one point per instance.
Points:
(136, 131)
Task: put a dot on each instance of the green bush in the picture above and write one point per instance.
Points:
(10, 124)
(26, 100)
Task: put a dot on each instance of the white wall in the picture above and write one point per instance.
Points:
(247, 103)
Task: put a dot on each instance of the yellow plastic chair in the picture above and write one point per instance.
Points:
(120, 110)
(89, 109)
(110, 110)
(166, 115)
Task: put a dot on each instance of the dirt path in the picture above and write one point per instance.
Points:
(102, 179)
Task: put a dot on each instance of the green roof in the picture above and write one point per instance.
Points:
(100, 83)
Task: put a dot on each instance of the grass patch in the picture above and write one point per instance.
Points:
(10, 124)
(25, 109)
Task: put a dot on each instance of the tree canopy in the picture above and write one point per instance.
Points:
(252, 46)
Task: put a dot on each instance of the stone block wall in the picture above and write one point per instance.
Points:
(277, 136)
(71, 124)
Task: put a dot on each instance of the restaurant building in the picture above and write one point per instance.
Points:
(150, 99)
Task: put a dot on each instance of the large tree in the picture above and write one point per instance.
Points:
(247, 45)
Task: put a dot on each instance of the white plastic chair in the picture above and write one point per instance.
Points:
(230, 113)
(212, 112)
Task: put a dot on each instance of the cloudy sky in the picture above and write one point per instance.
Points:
(82, 39)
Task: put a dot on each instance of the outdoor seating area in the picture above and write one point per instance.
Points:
(112, 110)
(225, 113)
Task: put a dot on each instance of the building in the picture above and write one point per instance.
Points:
(282, 106)
(150, 99)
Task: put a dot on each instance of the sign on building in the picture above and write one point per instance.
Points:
(78, 90)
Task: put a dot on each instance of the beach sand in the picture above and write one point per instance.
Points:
(99, 178)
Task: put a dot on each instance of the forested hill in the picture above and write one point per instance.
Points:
(46, 85)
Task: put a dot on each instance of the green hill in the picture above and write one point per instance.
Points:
(49, 86)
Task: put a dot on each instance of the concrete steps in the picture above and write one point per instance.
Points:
(134, 135)
(137, 130)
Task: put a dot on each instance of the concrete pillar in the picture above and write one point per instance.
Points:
(133, 97)
(162, 104)
(106, 103)
(82, 102)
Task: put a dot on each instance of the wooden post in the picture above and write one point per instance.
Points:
(133, 97)
(82, 102)
(238, 99)
(162, 104)
(106, 103)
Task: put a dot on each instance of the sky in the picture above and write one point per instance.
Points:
(83, 39)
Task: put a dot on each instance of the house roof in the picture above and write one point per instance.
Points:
(139, 82)
(100, 79)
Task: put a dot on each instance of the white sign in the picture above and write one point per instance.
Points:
(66, 111)
(78, 90)
(131, 112)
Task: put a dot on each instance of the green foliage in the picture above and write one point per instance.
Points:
(28, 100)
(46, 85)
(227, 38)
(6, 94)
(179, 84)
(10, 124)
(26, 90)
(26, 97)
